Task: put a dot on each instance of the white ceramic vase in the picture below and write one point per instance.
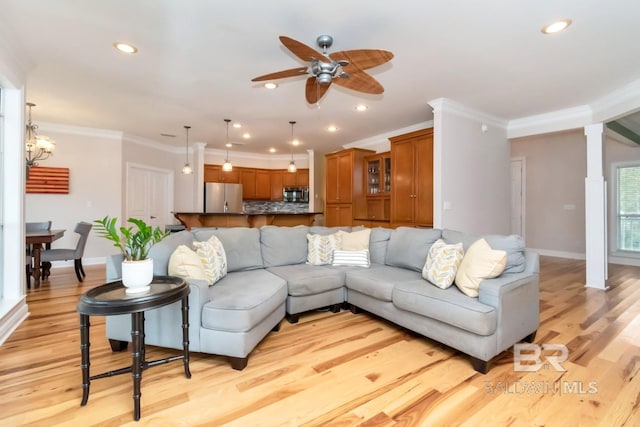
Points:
(137, 275)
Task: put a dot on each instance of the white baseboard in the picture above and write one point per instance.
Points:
(85, 262)
(613, 259)
(13, 313)
(559, 254)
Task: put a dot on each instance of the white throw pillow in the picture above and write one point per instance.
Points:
(442, 263)
(351, 258)
(480, 262)
(185, 263)
(213, 258)
(356, 240)
(320, 248)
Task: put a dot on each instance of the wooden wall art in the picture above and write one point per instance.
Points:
(48, 180)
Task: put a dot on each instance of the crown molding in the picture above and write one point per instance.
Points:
(79, 130)
(384, 137)
(149, 143)
(554, 121)
(253, 156)
(618, 103)
(445, 104)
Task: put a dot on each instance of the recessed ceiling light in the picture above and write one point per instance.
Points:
(295, 142)
(270, 85)
(272, 150)
(332, 128)
(237, 125)
(246, 135)
(125, 47)
(228, 144)
(361, 107)
(556, 26)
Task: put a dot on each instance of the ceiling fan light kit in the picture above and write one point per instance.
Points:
(344, 68)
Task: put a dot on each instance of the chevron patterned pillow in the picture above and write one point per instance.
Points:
(442, 263)
(213, 258)
(320, 248)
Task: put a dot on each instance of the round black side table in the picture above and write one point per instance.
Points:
(111, 299)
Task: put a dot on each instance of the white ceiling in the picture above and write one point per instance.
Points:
(196, 60)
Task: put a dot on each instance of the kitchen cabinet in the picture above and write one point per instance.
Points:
(299, 178)
(378, 174)
(412, 179)
(214, 173)
(345, 192)
(248, 181)
(263, 184)
(275, 178)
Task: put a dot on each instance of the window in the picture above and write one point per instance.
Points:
(628, 209)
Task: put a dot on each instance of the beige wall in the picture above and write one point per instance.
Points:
(556, 168)
(95, 165)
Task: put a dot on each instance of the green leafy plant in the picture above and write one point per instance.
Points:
(134, 245)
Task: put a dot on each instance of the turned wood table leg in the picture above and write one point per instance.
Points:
(84, 352)
(137, 321)
(185, 336)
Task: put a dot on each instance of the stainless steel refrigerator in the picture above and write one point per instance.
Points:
(219, 197)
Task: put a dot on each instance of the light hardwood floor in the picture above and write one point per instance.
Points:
(338, 369)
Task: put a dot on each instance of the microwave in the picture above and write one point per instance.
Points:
(295, 194)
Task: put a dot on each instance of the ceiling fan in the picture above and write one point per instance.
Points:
(345, 68)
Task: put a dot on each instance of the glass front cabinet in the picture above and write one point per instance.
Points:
(378, 187)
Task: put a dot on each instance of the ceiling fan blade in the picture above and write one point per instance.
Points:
(361, 82)
(302, 51)
(314, 91)
(362, 59)
(293, 72)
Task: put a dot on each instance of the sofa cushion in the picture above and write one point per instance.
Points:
(379, 280)
(321, 229)
(442, 263)
(242, 299)
(185, 263)
(452, 236)
(161, 251)
(213, 258)
(305, 279)
(356, 240)
(283, 245)
(241, 246)
(378, 242)
(408, 247)
(446, 305)
(320, 248)
(513, 245)
(479, 263)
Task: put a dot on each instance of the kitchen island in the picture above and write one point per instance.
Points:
(246, 219)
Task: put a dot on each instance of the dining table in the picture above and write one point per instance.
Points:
(35, 240)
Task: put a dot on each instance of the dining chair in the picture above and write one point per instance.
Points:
(47, 256)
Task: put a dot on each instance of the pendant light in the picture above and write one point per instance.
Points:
(227, 166)
(292, 165)
(186, 169)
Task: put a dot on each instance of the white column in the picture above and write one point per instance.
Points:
(595, 210)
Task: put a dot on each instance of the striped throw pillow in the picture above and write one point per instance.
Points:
(351, 258)
(442, 263)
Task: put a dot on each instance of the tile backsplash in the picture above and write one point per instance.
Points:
(258, 206)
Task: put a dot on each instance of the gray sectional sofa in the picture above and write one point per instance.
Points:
(268, 278)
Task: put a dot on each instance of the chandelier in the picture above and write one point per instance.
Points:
(38, 147)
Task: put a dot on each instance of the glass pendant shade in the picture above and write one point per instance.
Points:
(227, 166)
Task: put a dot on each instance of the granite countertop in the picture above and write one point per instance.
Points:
(267, 212)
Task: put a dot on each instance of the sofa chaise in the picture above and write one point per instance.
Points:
(269, 278)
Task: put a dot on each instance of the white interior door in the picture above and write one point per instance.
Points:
(149, 195)
(517, 196)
